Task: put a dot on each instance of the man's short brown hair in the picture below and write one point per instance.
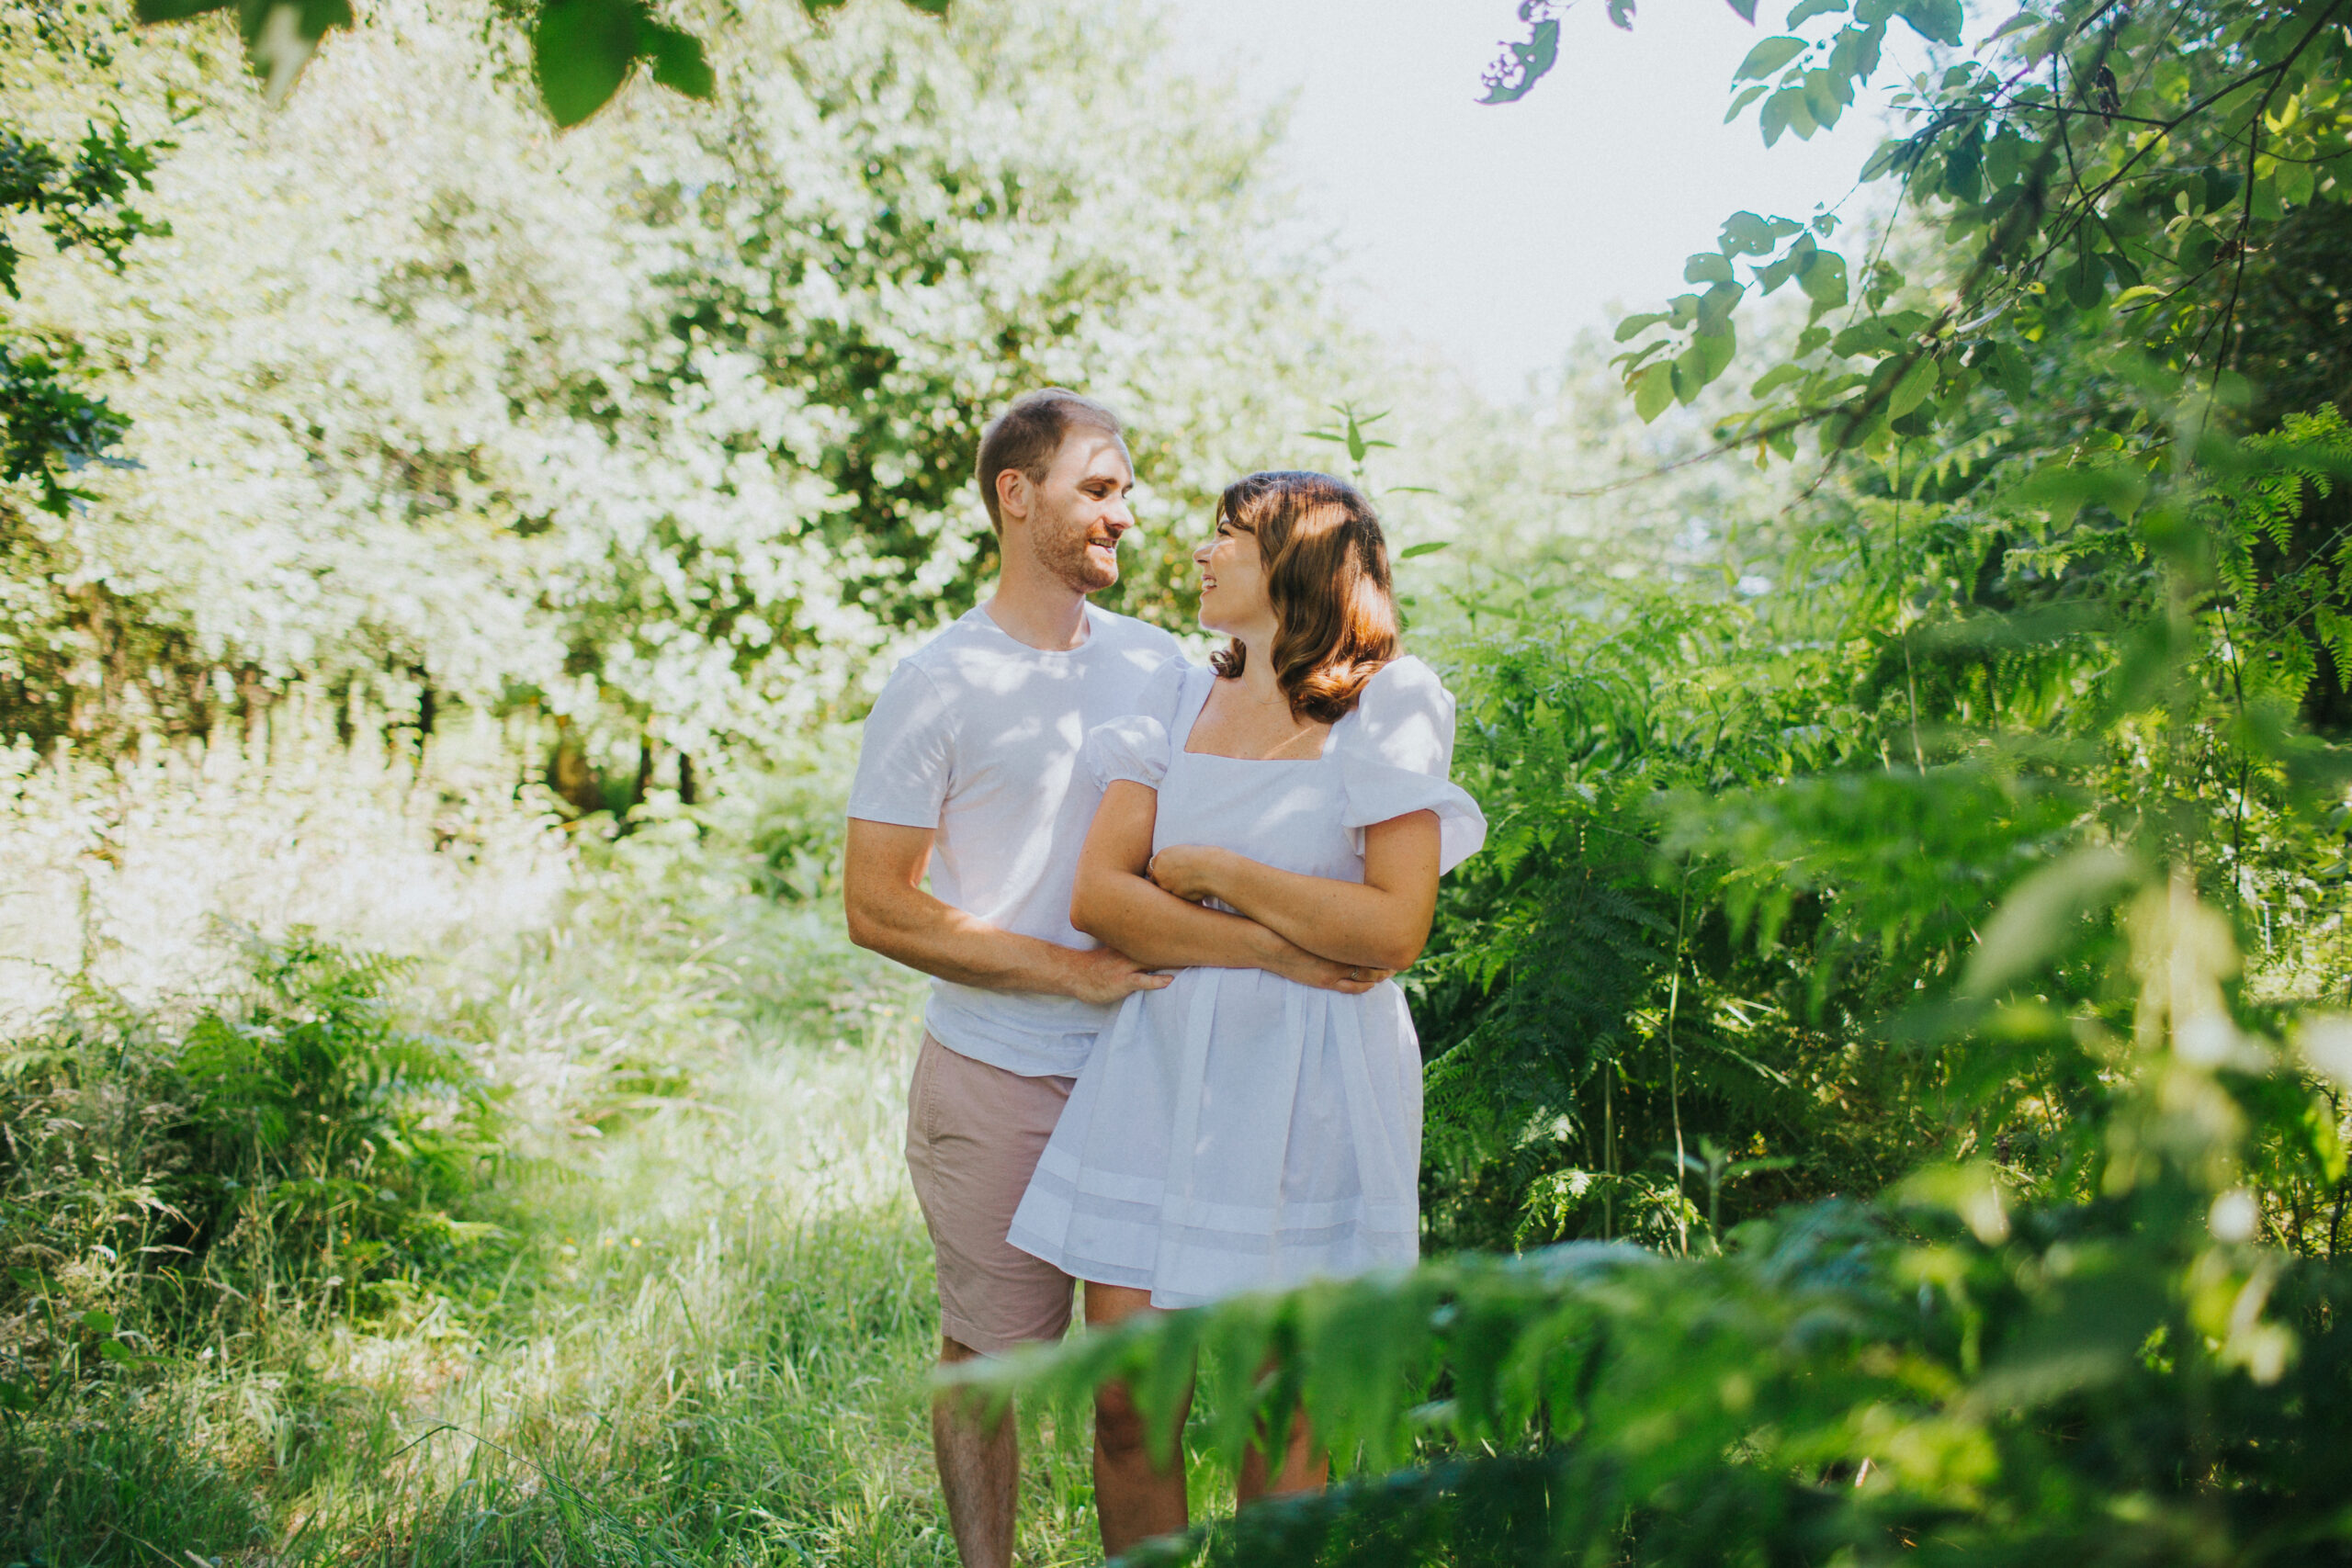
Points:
(1025, 436)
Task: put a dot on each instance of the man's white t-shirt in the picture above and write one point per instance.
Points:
(977, 735)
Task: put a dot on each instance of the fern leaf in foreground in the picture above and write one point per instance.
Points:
(2130, 1378)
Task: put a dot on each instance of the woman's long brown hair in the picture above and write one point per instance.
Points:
(1327, 572)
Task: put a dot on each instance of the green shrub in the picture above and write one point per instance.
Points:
(286, 1149)
(327, 1148)
(2127, 1373)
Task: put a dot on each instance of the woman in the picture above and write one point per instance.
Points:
(1238, 1131)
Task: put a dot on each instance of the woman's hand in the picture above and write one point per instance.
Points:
(1189, 871)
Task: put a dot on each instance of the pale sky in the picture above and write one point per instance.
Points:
(1492, 234)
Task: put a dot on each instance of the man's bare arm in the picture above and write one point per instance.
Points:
(890, 912)
(1114, 902)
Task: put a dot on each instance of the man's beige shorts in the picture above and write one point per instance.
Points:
(974, 1134)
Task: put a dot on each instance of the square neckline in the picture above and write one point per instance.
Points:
(1185, 749)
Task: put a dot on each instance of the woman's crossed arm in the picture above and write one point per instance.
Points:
(1116, 903)
(1382, 922)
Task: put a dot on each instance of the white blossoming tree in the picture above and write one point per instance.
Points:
(661, 426)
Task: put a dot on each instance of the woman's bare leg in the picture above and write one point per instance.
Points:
(1305, 1467)
(1133, 1499)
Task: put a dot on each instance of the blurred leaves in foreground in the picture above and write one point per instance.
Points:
(2131, 1376)
(582, 51)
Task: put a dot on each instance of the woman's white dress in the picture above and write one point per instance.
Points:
(1236, 1131)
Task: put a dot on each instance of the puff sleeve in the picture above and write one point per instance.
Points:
(1136, 746)
(1395, 752)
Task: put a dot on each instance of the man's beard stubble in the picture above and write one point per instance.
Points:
(1062, 550)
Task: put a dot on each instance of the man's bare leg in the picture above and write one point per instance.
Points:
(980, 1470)
(1133, 1499)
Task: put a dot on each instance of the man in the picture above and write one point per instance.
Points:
(969, 772)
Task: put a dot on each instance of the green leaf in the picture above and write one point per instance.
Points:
(97, 1321)
(1798, 114)
(1715, 308)
(1806, 10)
(1653, 390)
(1825, 96)
(1883, 159)
(1744, 9)
(1715, 350)
(1768, 57)
(2011, 371)
(1528, 64)
(1854, 56)
(2085, 279)
(1938, 21)
(1701, 363)
(2062, 490)
(1913, 389)
(679, 62)
(1772, 380)
(1634, 326)
(1415, 552)
(2021, 20)
(1634, 359)
(1708, 266)
(1964, 163)
(1873, 335)
(281, 35)
(1620, 15)
(1683, 375)
(581, 51)
(1747, 95)
(1822, 279)
(1745, 233)
(2035, 922)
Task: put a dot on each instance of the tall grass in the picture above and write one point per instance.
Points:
(127, 874)
(695, 1315)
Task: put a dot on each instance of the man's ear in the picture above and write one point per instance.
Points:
(1014, 495)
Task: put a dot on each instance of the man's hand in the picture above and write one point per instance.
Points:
(890, 913)
(1104, 975)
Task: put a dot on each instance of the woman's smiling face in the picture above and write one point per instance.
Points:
(1233, 582)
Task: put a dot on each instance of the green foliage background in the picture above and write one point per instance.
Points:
(1932, 951)
(1886, 1072)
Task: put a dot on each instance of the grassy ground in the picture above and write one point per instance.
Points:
(701, 1336)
